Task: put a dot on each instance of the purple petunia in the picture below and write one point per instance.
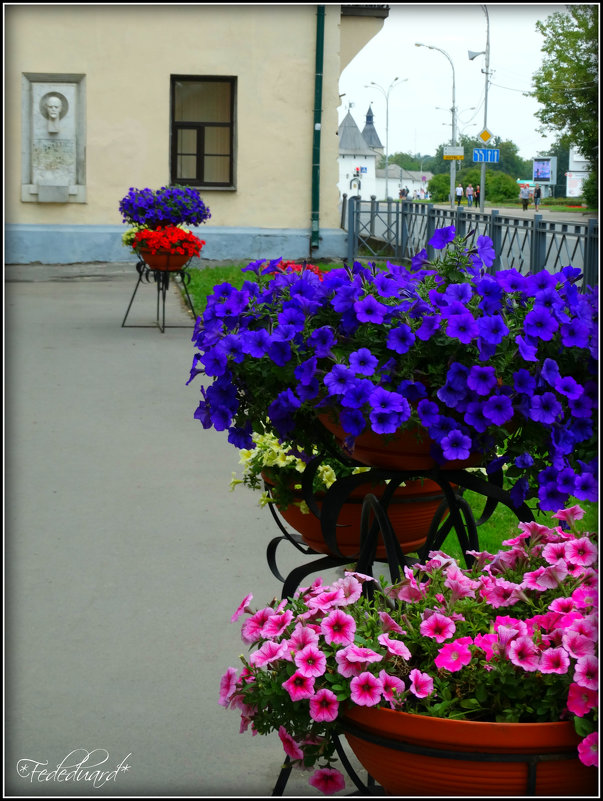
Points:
(545, 408)
(498, 409)
(492, 329)
(400, 339)
(481, 379)
(456, 445)
(462, 327)
(363, 362)
(442, 237)
(540, 323)
(338, 379)
(322, 340)
(485, 250)
(369, 310)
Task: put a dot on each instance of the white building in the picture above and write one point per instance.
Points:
(413, 181)
(577, 173)
(357, 160)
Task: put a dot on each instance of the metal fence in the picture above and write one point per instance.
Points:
(399, 230)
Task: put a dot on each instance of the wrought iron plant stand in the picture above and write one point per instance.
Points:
(162, 281)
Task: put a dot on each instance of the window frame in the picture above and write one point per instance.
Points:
(200, 128)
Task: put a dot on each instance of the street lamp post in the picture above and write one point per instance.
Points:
(385, 94)
(472, 55)
(452, 162)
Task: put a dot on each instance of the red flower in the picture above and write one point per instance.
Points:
(170, 238)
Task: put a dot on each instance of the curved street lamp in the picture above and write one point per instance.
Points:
(385, 93)
(453, 109)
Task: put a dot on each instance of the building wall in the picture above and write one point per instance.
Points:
(127, 54)
(348, 184)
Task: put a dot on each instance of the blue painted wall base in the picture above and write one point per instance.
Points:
(75, 244)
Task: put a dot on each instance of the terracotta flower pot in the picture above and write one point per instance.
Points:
(405, 450)
(163, 259)
(410, 512)
(410, 773)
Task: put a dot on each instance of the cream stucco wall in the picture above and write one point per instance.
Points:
(128, 54)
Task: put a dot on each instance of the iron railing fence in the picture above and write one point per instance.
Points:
(399, 230)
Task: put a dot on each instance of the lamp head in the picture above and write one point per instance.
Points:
(472, 54)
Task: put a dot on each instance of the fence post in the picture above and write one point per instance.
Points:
(431, 224)
(373, 214)
(538, 250)
(344, 203)
(460, 221)
(403, 227)
(352, 233)
(590, 254)
(496, 237)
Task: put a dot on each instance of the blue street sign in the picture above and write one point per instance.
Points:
(482, 154)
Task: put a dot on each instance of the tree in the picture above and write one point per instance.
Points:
(566, 86)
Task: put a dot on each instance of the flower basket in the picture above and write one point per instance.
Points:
(163, 259)
(411, 511)
(381, 736)
(408, 449)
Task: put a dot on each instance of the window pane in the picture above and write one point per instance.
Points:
(187, 141)
(217, 169)
(217, 141)
(202, 101)
(187, 167)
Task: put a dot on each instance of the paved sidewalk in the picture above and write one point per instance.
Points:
(126, 553)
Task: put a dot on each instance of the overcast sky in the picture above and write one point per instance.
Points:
(416, 125)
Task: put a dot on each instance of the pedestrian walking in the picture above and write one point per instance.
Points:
(469, 193)
(459, 194)
(537, 197)
(476, 195)
(524, 195)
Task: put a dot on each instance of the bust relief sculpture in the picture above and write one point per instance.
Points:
(53, 108)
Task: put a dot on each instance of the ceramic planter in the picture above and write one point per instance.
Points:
(411, 511)
(452, 766)
(404, 450)
(163, 259)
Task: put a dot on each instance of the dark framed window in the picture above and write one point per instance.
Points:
(202, 130)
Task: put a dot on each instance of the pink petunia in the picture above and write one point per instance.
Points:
(586, 672)
(570, 515)
(366, 689)
(228, 684)
(487, 643)
(242, 608)
(523, 653)
(290, 746)
(554, 552)
(421, 684)
(389, 624)
(324, 706)
(327, 780)
(554, 660)
(269, 652)
(251, 630)
(577, 645)
(454, 655)
(395, 647)
(338, 628)
(356, 653)
(310, 661)
(585, 597)
(299, 686)
(588, 626)
(327, 600)
(581, 552)
(438, 627)
(563, 605)
(351, 589)
(499, 592)
(588, 750)
(392, 686)
(302, 636)
(346, 667)
(580, 700)
(276, 624)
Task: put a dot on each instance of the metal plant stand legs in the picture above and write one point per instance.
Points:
(162, 281)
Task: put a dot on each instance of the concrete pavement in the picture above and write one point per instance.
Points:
(126, 552)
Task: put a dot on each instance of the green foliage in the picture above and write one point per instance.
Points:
(590, 191)
(566, 86)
